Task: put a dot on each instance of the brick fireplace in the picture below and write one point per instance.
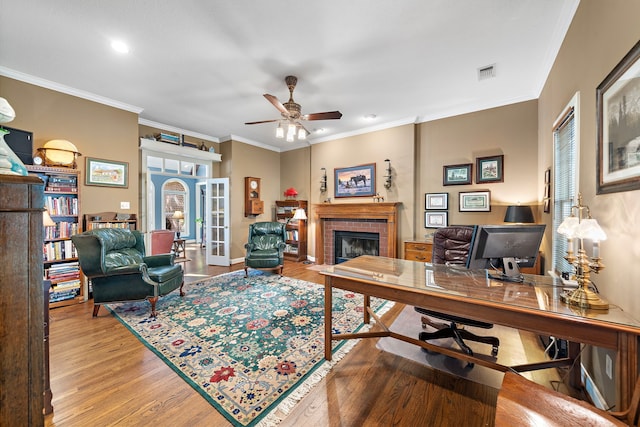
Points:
(380, 218)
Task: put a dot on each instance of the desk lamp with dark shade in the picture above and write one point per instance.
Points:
(521, 214)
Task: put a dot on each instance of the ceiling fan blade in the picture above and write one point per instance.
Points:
(263, 121)
(272, 99)
(323, 116)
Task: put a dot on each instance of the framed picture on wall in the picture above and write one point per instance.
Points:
(438, 201)
(355, 181)
(490, 169)
(475, 201)
(618, 129)
(457, 174)
(107, 173)
(435, 219)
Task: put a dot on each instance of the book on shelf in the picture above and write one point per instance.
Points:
(68, 179)
(61, 189)
(109, 225)
(59, 250)
(62, 205)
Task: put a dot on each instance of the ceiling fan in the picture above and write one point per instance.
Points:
(291, 113)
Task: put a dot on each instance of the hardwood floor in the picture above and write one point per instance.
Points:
(102, 375)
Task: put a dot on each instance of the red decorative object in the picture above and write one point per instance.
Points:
(291, 192)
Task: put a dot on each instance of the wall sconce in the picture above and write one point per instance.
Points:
(577, 229)
(387, 182)
(323, 180)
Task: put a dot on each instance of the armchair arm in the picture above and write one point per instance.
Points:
(159, 260)
(142, 268)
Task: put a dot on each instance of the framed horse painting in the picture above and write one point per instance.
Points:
(355, 181)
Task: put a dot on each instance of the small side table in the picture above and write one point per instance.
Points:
(179, 247)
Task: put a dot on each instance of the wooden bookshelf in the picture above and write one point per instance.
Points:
(62, 201)
(109, 220)
(296, 230)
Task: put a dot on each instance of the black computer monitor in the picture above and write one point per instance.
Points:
(506, 247)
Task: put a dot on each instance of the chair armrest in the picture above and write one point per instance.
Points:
(159, 260)
(249, 246)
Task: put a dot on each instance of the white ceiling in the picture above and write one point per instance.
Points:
(200, 67)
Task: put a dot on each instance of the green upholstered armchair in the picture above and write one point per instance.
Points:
(265, 248)
(114, 259)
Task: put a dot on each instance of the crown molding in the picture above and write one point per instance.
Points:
(48, 84)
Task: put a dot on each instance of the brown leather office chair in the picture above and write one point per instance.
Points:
(524, 403)
(451, 246)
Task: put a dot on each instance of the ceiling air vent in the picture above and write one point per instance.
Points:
(487, 72)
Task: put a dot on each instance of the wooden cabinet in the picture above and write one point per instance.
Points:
(415, 250)
(109, 220)
(62, 202)
(296, 230)
(21, 302)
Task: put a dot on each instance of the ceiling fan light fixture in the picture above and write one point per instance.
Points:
(290, 136)
(279, 131)
(302, 134)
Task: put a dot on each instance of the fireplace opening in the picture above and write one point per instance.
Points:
(352, 244)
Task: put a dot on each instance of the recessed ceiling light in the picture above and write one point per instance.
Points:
(370, 117)
(318, 130)
(120, 46)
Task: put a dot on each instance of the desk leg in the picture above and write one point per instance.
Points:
(328, 307)
(367, 316)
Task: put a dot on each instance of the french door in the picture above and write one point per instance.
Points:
(216, 222)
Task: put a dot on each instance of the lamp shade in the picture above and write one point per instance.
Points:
(569, 227)
(46, 219)
(300, 214)
(590, 229)
(178, 215)
(519, 213)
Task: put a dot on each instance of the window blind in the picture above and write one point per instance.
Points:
(564, 184)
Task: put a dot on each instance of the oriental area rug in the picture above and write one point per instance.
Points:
(253, 347)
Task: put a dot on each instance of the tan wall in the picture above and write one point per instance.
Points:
(95, 129)
(510, 131)
(396, 144)
(600, 35)
(239, 161)
(294, 172)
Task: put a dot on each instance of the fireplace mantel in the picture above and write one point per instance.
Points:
(387, 212)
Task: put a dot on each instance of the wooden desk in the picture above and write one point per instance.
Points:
(534, 306)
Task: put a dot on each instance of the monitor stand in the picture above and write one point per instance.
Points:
(511, 271)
